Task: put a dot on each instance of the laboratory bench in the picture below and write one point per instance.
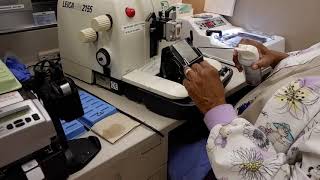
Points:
(141, 154)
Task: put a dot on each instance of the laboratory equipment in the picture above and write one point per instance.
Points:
(117, 45)
(60, 97)
(179, 56)
(216, 37)
(25, 15)
(27, 141)
(15, 14)
(176, 58)
(25, 127)
(248, 55)
(163, 27)
(32, 134)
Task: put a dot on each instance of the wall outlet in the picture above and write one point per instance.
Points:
(49, 55)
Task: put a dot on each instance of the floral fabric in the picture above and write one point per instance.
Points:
(284, 141)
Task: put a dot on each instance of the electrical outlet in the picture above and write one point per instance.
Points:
(51, 54)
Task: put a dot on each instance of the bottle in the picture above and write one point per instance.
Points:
(248, 55)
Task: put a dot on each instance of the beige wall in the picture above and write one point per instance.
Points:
(296, 20)
(26, 45)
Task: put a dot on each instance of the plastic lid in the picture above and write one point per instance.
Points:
(247, 54)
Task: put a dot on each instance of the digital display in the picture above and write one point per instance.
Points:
(14, 115)
(186, 51)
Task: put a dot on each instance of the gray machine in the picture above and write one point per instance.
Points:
(24, 15)
(25, 127)
(32, 142)
(15, 14)
(216, 37)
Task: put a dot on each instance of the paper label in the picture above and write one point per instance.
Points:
(45, 18)
(11, 7)
(78, 6)
(132, 28)
(114, 86)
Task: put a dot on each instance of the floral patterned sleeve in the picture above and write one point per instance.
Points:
(299, 57)
(241, 151)
(278, 146)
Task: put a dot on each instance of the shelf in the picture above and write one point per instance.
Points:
(26, 28)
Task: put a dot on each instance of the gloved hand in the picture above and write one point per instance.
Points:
(19, 70)
(267, 57)
(204, 86)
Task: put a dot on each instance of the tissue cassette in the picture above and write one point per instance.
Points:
(73, 129)
(94, 109)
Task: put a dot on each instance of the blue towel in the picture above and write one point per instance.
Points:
(19, 70)
(189, 161)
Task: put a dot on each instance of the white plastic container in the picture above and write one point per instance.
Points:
(248, 55)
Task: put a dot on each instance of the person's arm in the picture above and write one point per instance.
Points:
(277, 57)
(268, 57)
(237, 149)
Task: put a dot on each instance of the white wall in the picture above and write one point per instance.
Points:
(296, 20)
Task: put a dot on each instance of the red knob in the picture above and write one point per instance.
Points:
(130, 12)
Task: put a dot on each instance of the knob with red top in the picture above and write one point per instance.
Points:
(130, 12)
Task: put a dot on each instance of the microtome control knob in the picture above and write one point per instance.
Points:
(88, 35)
(101, 23)
(103, 57)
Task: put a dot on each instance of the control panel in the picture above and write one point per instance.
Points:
(210, 23)
(18, 116)
(25, 127)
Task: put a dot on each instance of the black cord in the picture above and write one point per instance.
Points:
(46, 68)
(141, 122)
(43, 62)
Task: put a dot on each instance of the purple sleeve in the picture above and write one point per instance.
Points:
(222, 114)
